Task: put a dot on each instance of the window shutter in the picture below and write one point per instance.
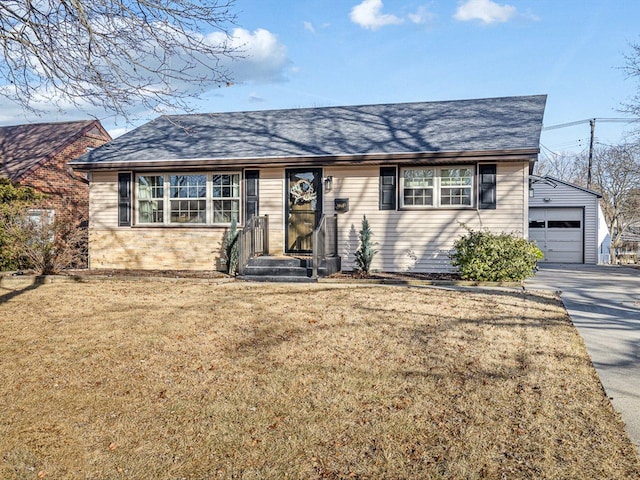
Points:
(387, 188)
(124, 199)
(487, 187)
(251, 187)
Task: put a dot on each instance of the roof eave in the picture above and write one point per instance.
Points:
(513, 155)
(573, 185)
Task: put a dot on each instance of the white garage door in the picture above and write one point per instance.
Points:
(558, 233)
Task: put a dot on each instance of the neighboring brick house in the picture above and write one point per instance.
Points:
(36, 155)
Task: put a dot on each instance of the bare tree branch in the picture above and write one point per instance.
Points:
(565, 166)
(113, 54)
(616, 176)
(632, 69)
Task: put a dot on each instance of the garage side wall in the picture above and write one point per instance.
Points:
(556, 194)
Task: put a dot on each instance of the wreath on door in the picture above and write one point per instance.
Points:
(302, 192)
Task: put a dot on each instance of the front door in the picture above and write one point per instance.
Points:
(304, 208)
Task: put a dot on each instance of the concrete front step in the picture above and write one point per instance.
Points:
(277, 278)
(268, 261)
(273, 270)
(286, 269)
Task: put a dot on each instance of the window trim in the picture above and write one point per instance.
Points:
(437, 187)
(138, 198)
(211, 198)
(166, 198)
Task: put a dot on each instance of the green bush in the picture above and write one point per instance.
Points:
(489, 257)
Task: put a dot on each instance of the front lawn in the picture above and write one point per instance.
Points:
(172, 379)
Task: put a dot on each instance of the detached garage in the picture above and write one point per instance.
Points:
(566, 222)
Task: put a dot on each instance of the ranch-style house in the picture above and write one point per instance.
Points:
(298, 182)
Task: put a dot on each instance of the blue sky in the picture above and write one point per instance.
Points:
(306, 53)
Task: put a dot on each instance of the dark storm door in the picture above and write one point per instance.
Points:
(303, 200)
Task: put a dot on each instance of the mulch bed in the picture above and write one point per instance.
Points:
(396, 276)
(146, 273)
(213, 274)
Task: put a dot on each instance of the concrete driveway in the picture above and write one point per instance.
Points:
(604, 305)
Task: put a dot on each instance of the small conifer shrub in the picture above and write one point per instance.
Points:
(230, 248)
(365, 252)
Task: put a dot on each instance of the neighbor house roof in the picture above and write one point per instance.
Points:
(330, 134)
(25, 147)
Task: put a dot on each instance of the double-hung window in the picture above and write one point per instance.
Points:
(226, 198)
(188, 199)
(455, 187)
(417, 187)
(150, 199)
(436, 187)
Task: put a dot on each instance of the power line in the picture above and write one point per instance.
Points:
(592, 124)
(544, 149)
(588, 120)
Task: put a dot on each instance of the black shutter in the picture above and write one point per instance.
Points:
(487, 187)
(124, 199)
(251, 193)
(387, 188)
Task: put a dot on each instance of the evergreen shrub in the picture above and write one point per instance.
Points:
(483, 256)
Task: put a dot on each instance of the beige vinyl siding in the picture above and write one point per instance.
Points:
(272, 204)
(419, 240)
(103, 200)
(567, 196)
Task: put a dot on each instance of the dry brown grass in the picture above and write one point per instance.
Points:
(191, 379)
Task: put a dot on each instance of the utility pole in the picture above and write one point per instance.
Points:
(592, 123)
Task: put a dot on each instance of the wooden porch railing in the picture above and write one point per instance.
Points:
(325, 241)
(253, 240)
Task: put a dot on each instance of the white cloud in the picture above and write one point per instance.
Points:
(421, 15)
(368, 14)
(264, 58)
(309, 26)
(118, 131)
(486, 11)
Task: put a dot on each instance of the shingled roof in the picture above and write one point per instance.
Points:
(482, 126)
(24, 147)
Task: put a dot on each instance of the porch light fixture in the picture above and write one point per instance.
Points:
(328, 182)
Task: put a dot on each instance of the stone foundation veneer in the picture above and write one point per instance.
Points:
(161, 248)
